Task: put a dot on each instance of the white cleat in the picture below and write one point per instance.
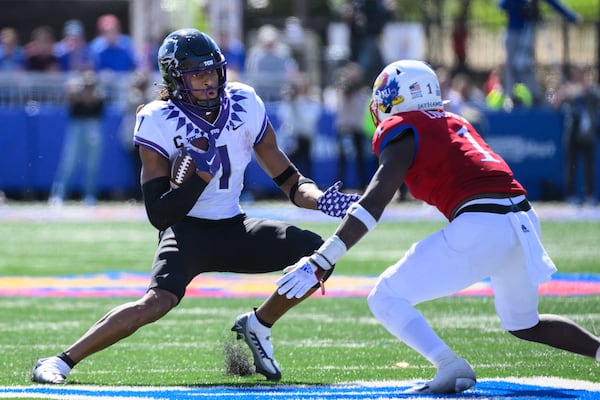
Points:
(258, 339)
(51, 370)
(454, 377)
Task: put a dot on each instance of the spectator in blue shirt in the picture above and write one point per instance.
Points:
(269, 63)
(12, 55)
(73, 51)
(523, 16)
(148, 55)
(111, 49)
(234, 51)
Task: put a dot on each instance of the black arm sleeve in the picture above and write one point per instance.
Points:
(166, 206)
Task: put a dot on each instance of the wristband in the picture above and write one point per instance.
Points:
(295, 187)
(364, 216)
(329, 253)
(285, 175)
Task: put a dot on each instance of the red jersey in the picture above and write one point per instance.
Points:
(451, 163)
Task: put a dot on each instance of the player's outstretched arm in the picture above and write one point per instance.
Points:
(360, 218)
(301, 190)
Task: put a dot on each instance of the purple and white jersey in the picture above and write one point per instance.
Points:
(165, 126)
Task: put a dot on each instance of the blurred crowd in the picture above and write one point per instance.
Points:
(286, 65)
(110, 49)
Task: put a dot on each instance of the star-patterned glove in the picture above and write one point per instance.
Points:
(335, 203)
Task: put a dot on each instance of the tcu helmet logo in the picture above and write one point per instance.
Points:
(168, 57)
(387, 90)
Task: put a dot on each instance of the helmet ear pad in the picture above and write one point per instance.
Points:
(173, 79)
(174, 73)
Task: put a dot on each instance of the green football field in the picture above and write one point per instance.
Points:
(322, 341)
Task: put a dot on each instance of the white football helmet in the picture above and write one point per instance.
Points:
(405, 85)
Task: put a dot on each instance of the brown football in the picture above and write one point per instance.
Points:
(182, 168)
(199, 144)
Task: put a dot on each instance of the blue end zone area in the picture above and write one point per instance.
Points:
(486, 389)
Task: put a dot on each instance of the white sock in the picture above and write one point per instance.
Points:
(419, 335)
(257, 326)
(405, 322)
(598, 354)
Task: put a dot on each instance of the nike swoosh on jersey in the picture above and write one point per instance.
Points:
(234, 128)
(212, 160)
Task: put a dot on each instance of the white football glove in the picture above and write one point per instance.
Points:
(299, 279)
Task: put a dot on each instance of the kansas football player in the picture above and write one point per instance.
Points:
(493, 231)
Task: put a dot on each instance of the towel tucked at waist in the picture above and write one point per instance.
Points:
(540, 266)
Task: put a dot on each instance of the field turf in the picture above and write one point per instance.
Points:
(322, 341)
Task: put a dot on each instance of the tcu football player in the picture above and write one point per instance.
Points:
(492, 232)
(202, 225)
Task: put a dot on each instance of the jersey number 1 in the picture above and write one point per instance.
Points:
(225, 166)
(463, 131)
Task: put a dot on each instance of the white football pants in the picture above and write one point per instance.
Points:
(474, 246)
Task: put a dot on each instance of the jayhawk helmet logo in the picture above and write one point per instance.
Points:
(387, 91)
(405, 85)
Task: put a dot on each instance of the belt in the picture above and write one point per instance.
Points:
(196, 220)
(495, 208)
